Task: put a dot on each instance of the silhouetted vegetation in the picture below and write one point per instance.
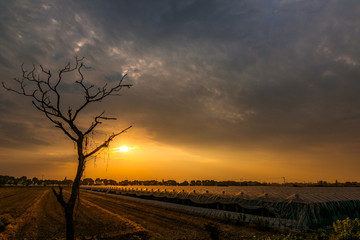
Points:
(342, 230)
(262, 224)
(24, 181)
(347, 229)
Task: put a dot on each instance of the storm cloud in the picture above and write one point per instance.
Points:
(277, 75)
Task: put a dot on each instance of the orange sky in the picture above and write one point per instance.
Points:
(246, 90)
(154, 160)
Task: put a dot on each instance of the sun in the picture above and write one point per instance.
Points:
(123, 149)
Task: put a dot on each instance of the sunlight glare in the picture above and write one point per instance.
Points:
(123, 149)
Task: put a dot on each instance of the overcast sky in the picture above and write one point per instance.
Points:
(222, 89)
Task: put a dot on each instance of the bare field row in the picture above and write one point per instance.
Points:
(37, 215)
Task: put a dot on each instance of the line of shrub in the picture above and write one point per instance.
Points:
(347, 229)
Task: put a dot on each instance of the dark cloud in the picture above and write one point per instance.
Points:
(19, 135)
(244, 74)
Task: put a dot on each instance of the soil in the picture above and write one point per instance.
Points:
(36, 214)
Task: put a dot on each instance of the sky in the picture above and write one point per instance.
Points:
(224, 90)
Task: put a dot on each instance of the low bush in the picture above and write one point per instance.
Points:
(347, 229)
(281, 237)
(323, 235)
(262, 224)
(226, 218)
(342, 230)
(135, 237)
(240, 220)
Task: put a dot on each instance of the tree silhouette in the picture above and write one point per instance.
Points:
(42, 87)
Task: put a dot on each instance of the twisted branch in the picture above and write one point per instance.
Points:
(47, 98)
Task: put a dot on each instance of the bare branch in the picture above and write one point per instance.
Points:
(59, 196)
(69, 112)
(97, 122)
(47, 99)
(106, 143)
(22, 90)
(100, 94)
(66, 132)
(57, 123)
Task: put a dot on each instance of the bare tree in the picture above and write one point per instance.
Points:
(42, 87)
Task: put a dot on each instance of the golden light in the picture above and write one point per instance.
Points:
(123, 149)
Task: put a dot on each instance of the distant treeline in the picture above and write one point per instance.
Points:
(24, 181)
(98, 181)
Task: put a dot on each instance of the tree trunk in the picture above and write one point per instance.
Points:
(69, 209)
(70, 204)
(70, 231)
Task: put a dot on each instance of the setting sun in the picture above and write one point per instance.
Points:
(123, 149)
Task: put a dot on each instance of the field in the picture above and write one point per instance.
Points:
(308, 194)
(36, 214)
(304, 209)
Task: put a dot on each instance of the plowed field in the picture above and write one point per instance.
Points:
(37, 215)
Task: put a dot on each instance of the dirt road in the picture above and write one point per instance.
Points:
(37, 215)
